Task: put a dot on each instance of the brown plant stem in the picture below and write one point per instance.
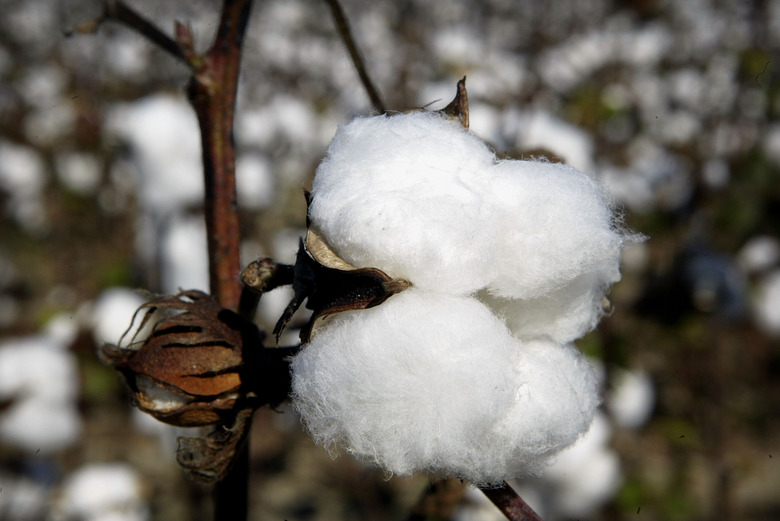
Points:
(212, 92)
(342, 24)
(510, 504)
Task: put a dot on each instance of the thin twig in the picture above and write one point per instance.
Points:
(117, 10)
(346, 34)
(510, 504)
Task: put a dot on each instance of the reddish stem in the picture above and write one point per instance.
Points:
(510, 504)
(212, 92)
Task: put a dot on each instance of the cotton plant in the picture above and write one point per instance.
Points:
(446, 286)
(464, 367)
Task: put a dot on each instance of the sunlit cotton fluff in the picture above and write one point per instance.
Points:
(408, 193)
(436, 383)
(469, 373)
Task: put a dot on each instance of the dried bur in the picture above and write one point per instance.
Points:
(200, 366)
(329, 284)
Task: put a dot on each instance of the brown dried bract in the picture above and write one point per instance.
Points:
(331, 285)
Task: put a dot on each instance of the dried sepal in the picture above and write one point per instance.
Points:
(334, 286)
(208, 458)
(458, 108)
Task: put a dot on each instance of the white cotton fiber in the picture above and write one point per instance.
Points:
(408, 193)
(435, 383)
(556, 225)
(562, 315)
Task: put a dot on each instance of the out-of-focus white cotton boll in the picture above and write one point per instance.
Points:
(631, 399)
(433, 383)
(163, 132)
(543, 130)
(759, 254)
(184, 255)
(767, 305)
(557, 224)
(102, 491)
(22, 177)
(37, 365)
(40, 425)
(22, 498)
(254, 181)
(112, 312)
(406, 193)
(79, 171)
(40, 379)
(583, 476)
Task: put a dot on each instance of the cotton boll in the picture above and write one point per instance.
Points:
(40, 425)
(40, 380)
(408, 194)
(434, 383)
(557, 224)
(766, 309)
(632, 398)
(184, 254)
(37, 366)
(163, 131)
(759, 254)
(562, 315)
(113, 312)
(103, 491)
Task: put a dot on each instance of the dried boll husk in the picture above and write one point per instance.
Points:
(188, 372)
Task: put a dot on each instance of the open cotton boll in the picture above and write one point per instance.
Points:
(408, 193)
(434, 383)
(557, 224)
(562, 315)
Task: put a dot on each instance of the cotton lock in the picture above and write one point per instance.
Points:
(469, 373)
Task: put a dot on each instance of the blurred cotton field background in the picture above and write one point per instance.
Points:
(673, 105)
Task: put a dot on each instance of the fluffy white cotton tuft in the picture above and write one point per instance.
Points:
(428, 382)
(556, 224)
(408, 193)
(563, 315)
